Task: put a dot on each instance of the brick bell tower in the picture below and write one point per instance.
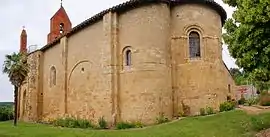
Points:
(59, 24)
(23, 41)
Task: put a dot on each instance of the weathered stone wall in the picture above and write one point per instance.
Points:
(198, 82)
(89, 72)
(53, 95)
(145, 85)
(92, 80)
(28, 98)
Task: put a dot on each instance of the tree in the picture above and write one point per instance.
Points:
(15, 65)
(240, 77)
(247, 36)
(235, 72)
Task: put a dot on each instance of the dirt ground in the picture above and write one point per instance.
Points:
(265, 133)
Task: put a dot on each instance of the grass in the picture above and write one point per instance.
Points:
(228, 124)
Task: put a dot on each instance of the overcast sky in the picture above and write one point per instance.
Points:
(35, 16)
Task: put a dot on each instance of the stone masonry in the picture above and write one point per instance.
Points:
(83, 72)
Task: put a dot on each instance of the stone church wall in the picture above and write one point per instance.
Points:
(89, 73)
(28, 93)
(145, 85)
(53, 95)
(92, 79)
(199, 82)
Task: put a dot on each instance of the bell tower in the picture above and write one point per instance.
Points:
(59, 24)
(23, 41)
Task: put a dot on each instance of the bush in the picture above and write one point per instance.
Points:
(6, 113)
(72, 123)
(252, 101)
(102, 123)
(162, 119)
(202, 112)
(260, 123)
(226, 106)
(138, 124)
(209, 110)
(186, 109)
(241, 101)
(125, 125)
(265, 99)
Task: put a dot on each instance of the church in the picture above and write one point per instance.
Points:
(132, 62)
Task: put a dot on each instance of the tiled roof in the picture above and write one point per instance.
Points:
(131, 4)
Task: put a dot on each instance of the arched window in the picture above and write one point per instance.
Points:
(52, 76)
(128, 57)
(61, 28)
(23, 102)
(229, 88)
(194, 45)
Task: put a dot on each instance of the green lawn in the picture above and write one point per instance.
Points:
(229, 124)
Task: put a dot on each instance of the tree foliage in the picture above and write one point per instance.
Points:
(248, 37)
(15, 65)
(240, 77)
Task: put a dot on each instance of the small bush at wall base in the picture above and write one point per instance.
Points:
(162, 119)
(252, 101)
(102, 123)
(226, 106)
(138, 124)
(209, 111)
(125, 125)
(72, 123)
(202, 112)
(186, 109)
(241, 101)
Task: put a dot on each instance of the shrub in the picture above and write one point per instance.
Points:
(265, 99)
(162, 119)
(102, 123)
(260, 123)
(241, 101)
(226, 106)
(138, 124)
(72, 123)
(125, 125)
(6, 113)
(186, 109)
(209, 110)
(181, 114)
(202, 112)
(252, 101)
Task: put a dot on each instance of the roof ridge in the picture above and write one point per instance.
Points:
(128, 5)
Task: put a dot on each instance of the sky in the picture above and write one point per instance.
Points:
(35, 16)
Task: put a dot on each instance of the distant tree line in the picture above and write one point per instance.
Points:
(6, 111)
(6, 103)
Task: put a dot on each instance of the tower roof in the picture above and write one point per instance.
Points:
(61, 12)
(23, 32)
